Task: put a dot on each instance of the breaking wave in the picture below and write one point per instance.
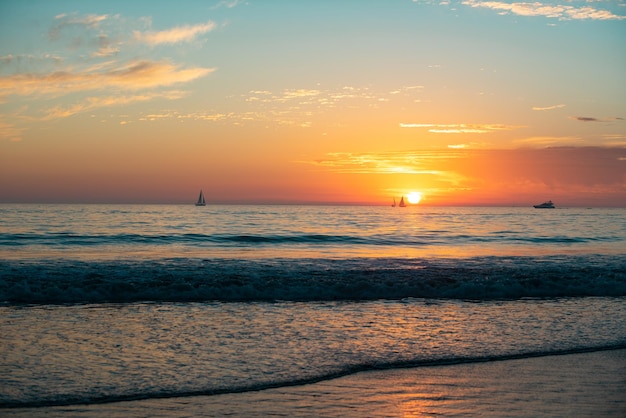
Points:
(59, 281)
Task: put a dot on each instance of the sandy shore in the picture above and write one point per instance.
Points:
(582, 385)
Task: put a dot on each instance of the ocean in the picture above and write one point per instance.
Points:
(103, 306)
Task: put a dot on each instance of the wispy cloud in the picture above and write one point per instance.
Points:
(8, 131)
(546, 9)
(592, 119)
(559, 106)
(201, 116)
(229, 4)
(132, 76)
(461, 128)
(92, 103)
(549, 141)
(299, 106)
(474, 145)
(400, 162)
(176, 35)
(65, 20)
(331, 97)
(615, 140)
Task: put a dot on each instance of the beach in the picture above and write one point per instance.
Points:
(573, 385)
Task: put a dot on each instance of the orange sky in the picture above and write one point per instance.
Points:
(467, 102)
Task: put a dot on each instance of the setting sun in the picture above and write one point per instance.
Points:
(414, 197)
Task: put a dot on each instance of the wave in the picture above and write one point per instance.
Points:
(69, 239)
(61, 281)
(67, 400)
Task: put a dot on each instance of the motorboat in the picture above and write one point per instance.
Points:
(545, 205)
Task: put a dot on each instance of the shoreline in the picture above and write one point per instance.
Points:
(566, 384)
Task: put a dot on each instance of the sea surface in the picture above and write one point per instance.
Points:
(101, 304)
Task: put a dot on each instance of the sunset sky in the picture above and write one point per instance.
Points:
(259, 101)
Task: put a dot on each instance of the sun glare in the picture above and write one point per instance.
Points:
(414, 197)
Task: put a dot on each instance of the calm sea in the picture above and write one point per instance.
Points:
(104, 303)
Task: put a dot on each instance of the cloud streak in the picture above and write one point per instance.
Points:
(229, 4)
(176, 35)
(591, 119)
(544, 9)
(133, 76)
(461, 128)
(65, 20)
(92, 103)
(559, 106)
(9, 131)
(400, 162)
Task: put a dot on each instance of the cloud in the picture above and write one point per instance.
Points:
(549, 141)
(615, 140)
(105, 47)
(392, 162)
(559, 106)
(469, 145)
(212, 117)
(461, 128)
(556, 11)
(590, 119)
(331, 97)
(229, 4)
(176, 35)
(91, 103)
(20, 60)
(293, 94)
(66, 20)
(10, 132)
(585, 119)
(133, 76)
(297, 106)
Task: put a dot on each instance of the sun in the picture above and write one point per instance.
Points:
(414, 197)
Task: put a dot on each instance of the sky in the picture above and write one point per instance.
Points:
(465, 102)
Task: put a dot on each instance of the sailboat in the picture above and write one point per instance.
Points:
(402, 204)
(201, 201)
(394, 203)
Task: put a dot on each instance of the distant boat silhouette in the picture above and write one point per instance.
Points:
(545, 205)
(394, 203)
(201, 201)
(402, 204)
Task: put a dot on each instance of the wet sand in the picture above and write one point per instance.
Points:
(574, 385)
